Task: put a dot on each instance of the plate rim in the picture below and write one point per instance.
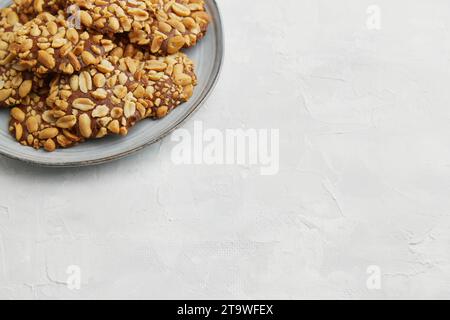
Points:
(220, 44)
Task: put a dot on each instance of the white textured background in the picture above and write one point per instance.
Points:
(364, 118)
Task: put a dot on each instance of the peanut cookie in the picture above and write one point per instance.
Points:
(9, 23)
(48, 44)
(16, 85)
(164, 26)
(10, 17)
(32, 8)
(108, 98)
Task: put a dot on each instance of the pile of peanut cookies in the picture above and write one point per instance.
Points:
(74, 70)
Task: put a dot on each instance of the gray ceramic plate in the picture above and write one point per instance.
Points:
(207, 55)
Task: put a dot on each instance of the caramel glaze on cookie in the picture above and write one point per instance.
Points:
(15, 82)
(118, 64)
(49, 44)
(105, 99)
(32, 8)
(163, 26)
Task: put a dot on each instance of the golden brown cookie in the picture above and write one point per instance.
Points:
(15, 83)
(108, 98)
(49, 44)
(163, 26)
(32, 8)
(11, 16)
